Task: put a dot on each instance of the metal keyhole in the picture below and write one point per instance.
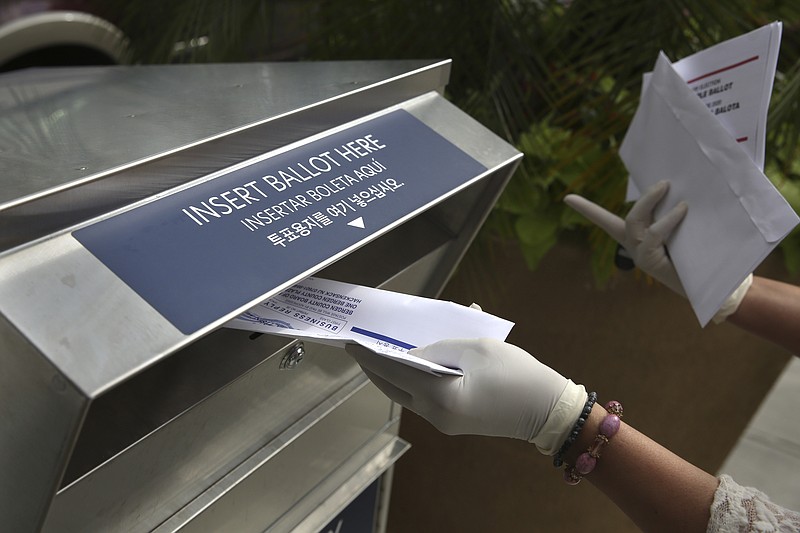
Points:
(293, 357)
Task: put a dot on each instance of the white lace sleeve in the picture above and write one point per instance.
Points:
(744, 509)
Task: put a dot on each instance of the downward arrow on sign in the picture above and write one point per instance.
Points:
(357, 223)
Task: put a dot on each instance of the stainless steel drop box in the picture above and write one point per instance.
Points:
(143, 207)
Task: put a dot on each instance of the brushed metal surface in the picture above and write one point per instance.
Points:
(113, 420)
(63, 126)
(60, 279)
(364, 467)
(85, 141)
(284, 482)
(154, 477)
(40, 413)
(92, 327)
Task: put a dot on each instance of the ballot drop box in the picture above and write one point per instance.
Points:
(141, 208)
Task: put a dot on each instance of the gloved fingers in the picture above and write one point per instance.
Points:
(412, 388)
(656, 235)
(402, 377)
(427, 407)
(445, 352)
(652, 257)
(609, 222)
(463, 354)
(664, 226)
(393, 393)
(641, 214)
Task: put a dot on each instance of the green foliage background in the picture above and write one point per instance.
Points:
(560, 80)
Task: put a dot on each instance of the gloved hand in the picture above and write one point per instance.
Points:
(643, 238)
(504, 391)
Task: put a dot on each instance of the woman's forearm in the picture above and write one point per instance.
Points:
(771, 310)
(658, 490)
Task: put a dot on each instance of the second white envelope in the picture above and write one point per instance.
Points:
(736, 216)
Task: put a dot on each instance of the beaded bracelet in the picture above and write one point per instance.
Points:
(558, 458)
(586, 461)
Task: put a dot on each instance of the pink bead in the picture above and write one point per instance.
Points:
(571, 477)
(609, 426)
(614, 407)
(585, 463)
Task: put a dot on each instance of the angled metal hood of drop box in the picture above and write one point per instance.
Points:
(130, 225)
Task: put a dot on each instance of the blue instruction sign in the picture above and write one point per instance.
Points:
(198, 254)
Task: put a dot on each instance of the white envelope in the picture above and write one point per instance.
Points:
(387, 322)
(734, 78)
(736, 216)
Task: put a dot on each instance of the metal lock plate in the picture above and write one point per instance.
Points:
(293, 357)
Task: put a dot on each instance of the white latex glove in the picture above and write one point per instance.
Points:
(643, 239)
(641, 236)
(504, 391)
